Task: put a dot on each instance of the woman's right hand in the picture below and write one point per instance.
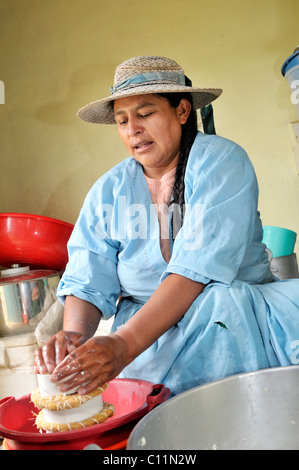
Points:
(48, 356)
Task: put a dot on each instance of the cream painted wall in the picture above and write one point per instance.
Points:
(58, 55)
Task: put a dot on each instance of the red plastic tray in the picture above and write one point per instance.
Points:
(132, 400)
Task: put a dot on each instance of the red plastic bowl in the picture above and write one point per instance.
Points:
(33, 240)
(131, 398)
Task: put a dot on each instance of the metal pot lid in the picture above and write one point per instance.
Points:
(18, 273)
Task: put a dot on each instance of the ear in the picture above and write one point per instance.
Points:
(184, 109)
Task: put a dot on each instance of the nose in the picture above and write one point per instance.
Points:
(134, 127)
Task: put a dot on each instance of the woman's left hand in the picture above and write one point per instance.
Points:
(97, 361)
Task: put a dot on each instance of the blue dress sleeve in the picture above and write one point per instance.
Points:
(221, 194)
(91, 273)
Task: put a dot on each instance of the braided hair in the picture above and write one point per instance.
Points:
(189, 131)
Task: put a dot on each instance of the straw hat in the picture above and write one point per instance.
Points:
(142, 76)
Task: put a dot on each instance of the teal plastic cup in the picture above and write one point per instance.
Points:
(280, 241)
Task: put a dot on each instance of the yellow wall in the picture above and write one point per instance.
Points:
(58, 55)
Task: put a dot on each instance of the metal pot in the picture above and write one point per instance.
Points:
(257, 410)
(24, 294)
(285, 267)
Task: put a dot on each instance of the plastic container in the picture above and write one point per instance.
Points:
(280, 241)
(37, 241)
(290, 70)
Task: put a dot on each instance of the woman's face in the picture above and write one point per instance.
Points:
(150, 128)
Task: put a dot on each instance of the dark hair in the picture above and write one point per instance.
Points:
(189, 131)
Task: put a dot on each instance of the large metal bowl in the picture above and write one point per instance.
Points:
(33, 240)
(258, 410)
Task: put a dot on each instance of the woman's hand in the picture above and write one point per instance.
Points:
(97, 361)
(47, 357)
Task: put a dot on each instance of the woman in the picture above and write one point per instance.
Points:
(169, 241)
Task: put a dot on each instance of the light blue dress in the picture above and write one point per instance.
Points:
(243, 321)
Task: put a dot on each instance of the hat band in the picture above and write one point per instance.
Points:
(160, 77)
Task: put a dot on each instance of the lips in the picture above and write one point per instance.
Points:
(140, 146)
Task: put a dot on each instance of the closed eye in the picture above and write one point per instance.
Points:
(121, 123)
(145, 115)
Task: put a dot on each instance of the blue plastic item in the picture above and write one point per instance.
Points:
(290, 63)
(280, 241)
(290, 70)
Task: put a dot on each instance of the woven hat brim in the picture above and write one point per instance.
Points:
(101, 111)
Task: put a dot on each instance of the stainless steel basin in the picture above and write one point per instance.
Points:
(258, 410)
